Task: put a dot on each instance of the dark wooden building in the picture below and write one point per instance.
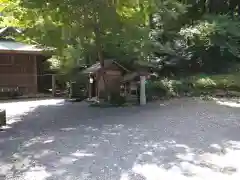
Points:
(113, 75)
(20, 64)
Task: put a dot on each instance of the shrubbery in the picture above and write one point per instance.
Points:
(194, 85)
(168, 88)
(222, 81)
(10, 93)
(116, 99)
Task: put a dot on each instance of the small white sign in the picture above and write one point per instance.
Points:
(91, 80)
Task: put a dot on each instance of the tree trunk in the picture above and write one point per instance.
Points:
(99, 45)
(151, 22)
(2, 117)
(100, 55)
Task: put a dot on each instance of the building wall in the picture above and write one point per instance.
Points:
(44, 74)
(113, 81)
(18, 70)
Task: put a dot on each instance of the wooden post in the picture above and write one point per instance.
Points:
(35, 75)
(125, 90)
(96, 89)
(53, 85)
(3, 120)
(142, 90)
(71, 90)
(90, 85)
(89, 90)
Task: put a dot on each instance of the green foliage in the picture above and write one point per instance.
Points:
(156, 88)
(116, 99)
(167, 23)
(194, 85)
(78, 91)
(80, 30)
(222, 81)
(168, 87)
(214, 31)
(202, 35)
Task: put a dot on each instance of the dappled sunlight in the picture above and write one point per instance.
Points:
(16, 110)
(14, 120)
(228, 102)
(94, 145)
(153, 160)
(48, 141)
(124, 176)
(151, 171)
(68, 129)
(5, 167)
(42, 139)
(40, 158)
(67, 160)
(150, 159)
(60, 172)
(37, 173)
(191, 164)
(233, 144)
(177, 143)
(43, 153)
(82, 153)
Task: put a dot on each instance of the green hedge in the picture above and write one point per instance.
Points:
(168, 87)
(199, 84)
(221, 81)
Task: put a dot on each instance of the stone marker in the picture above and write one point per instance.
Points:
(142, 90)
(3, 117)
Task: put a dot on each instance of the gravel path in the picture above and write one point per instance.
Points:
(179, 139)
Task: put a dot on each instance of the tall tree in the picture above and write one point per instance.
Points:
(98, 27)
(101, 22)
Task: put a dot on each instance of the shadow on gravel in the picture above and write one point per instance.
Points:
(176, 139)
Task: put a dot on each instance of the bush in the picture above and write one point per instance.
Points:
(10, 92)
(179, 87)
(204, 83)
(227, 81)
(116, 99)
(155, 88)
(194, 85)
(168, 87)
(77, 91)
(221, 81)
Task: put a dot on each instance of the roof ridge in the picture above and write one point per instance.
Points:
(9, 28)
(17, 46)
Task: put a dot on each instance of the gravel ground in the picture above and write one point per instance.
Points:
(179, 139)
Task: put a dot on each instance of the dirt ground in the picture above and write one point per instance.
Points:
(178, 139)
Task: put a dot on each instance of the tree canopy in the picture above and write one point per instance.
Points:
(199, 33)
